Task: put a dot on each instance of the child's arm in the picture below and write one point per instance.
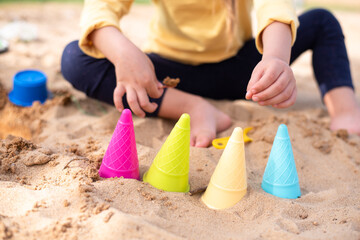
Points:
(135, 74)
(272, 81)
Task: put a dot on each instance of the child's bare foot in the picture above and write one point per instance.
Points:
(206, 121)
(343, 109)
(349, 121)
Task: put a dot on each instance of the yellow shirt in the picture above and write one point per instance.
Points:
(190, 31)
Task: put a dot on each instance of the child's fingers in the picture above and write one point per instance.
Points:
(118, 95)
(267, 79)
(152, 86)
(255, 76)
(287, 103)
(273, 90)
(133, 102)
(145, 104)
(282, 97)
(160, 85)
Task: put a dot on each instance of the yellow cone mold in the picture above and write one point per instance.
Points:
(228, 184)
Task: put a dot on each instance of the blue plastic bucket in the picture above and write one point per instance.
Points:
(29, 86)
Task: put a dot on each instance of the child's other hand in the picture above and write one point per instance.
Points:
(272, 83)
(135, 76)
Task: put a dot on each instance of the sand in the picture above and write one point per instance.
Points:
(50, 154)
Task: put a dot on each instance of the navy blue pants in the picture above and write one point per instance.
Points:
(319, 31)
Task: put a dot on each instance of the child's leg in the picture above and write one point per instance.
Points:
(320, 31)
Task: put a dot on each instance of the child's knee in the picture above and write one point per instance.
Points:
(326, 24)
(321, 12)
(323, 15)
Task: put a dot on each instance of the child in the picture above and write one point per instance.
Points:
(209, 46)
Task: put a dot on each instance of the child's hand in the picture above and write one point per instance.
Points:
(134, 71)
(272, 83)
(135, 76)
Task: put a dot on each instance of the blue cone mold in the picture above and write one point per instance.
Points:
(280, 178)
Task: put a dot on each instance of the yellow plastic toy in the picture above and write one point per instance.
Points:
(228, 184)
(170, 168)
(220, 143)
